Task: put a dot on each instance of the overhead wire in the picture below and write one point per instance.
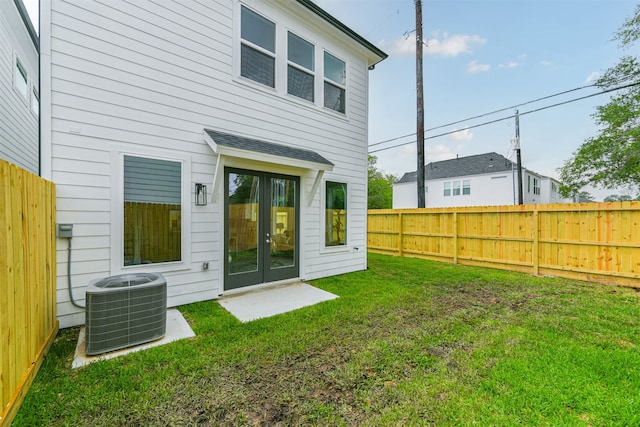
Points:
(502, 118)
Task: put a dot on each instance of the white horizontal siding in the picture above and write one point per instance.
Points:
(18, 124)
(153, 75)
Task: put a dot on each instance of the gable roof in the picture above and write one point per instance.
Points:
(325, 16)
(22, 10)
(462, 166)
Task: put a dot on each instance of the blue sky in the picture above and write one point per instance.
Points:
(484, 56)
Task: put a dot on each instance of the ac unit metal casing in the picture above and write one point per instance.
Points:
(125, 310)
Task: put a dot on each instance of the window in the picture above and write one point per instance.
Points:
(35, 102)
(554, 189)
(20, 79)
(456, 188)
(528, 183)
(152, 224)
(258, 48)
(536, 186)
(335, 214)
(300, 76)
(334, 83)
(447, 189)
(466, 187)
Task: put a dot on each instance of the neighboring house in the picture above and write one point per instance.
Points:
(482, 180)
(222, 143)
(19, 93)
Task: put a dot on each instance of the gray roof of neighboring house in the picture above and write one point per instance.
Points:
(265, 147)
(462, 166)
(27, 23)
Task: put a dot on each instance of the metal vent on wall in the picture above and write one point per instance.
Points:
(125, 310)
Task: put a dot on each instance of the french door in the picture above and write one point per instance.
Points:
(261, 227)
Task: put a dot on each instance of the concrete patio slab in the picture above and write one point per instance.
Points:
(267, 302)
(177, 329)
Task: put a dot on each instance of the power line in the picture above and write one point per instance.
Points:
(503, 118)
(494, 112)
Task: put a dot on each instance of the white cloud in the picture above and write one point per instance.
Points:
(475, 67)
(462, 135)
(510, 64)
(591, 78)
(436, 153)
(447, 45)
(546, 63)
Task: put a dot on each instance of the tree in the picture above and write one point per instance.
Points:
(612, 158)
(380, 187)
(618, 198)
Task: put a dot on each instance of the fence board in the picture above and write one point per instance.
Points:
(588, 241)
(28, 322)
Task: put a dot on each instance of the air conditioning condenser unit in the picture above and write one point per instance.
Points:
(124, 311)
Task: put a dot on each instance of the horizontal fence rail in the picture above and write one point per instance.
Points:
(597, 242)
(28, 321)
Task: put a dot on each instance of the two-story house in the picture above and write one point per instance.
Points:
(481, 180)
(222, 143)
(19, 91)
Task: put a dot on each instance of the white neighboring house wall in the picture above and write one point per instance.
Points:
(481, 189)
(19, 93)
(146, 78)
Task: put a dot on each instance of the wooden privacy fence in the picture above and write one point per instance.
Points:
(28, 321)
(588, 241)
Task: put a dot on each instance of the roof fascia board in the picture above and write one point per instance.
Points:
(346, 30)
(26, 20)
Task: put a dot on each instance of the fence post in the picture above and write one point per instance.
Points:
(535, 252)
(455, 237)
(400, 243)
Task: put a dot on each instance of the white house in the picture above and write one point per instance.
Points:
(19, 93)
(481, 180)
(221, 142)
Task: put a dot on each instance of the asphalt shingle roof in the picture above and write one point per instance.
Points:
(462, 166)
(264, 147)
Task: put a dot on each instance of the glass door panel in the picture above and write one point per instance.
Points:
(283, 223)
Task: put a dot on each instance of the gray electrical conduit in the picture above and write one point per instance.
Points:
(73, 301)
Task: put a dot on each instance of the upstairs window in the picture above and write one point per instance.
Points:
(447, 188)
(335, 80)
(300, 67)
(20, 79)
(456, 188)
(466, 187)
(258, 48)
(536, 186)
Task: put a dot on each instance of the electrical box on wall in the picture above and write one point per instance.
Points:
(65, 230)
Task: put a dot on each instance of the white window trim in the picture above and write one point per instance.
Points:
(35, 96)
(25, 97)
(118, 152)
(323, 208)
(313, 72)
(346, 84)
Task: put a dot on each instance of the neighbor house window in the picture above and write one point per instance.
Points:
(466, 187)
(335, 80)
(456, 188)
(152, 223)
(528, 183)
(258, 48)
(335, 214)
(35, 102)
(21, 79)
(536, 186)
(447, 189)
(554, 189)
(300, 68)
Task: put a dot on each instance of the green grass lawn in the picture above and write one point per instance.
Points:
(409, 342)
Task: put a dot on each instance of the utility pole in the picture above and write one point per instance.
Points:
(517, 145)
(420, 106)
